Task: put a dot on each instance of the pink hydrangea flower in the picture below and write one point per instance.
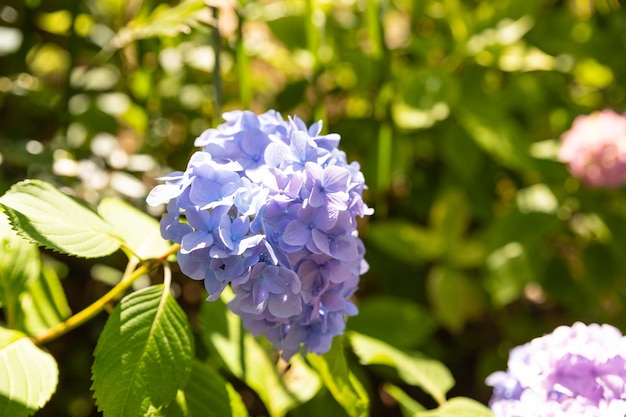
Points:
(574, 371)
(595, 149)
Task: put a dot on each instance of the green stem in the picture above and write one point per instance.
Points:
(94, 309)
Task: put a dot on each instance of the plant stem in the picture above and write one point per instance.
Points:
(94, 309)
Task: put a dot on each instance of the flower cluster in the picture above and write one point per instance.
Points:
(574, 371)
(595, 149)
(268, 206)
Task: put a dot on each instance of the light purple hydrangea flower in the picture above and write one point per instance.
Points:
(595, 149)
(574, 371)
(268, 206)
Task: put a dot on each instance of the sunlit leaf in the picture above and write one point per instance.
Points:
(28, 375)
(164, 20)
(54, 220)
(340, 381)
(144, 354)
(140, 232)
(19, 266)
(414, 369)
(43, 304)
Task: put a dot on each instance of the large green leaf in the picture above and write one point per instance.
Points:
(458, 407)
(413, 368)
(340, 381)
(245, 357)
(140, 232)
(28, 375)
(52, 219)
(19, 266)
(207, 394)
(144, 354)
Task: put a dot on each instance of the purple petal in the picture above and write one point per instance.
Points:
(285, 305)
(260, 293)
(317, 197)
(336, 178)
(194, 241)
(296, 233)
(163, 193)
(344, 247)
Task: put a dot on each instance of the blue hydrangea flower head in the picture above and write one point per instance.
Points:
(268, 206)
(573, 371)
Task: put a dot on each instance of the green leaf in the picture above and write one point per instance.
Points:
(207, 394)
(30, 292)
(37, 210)
(164, 20)
(340, 381)
(431, 375)
(509, 270)
(43, 304)
(458, 407)
(281, 389)
(388, 318)
(408, 405)
(455, 297)
(406, 241)
(144, 354)
(493, 131)
(450, 216)
(140, 232)
(19, 267)
(28, 375)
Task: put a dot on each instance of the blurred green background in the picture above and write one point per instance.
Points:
(481, 240)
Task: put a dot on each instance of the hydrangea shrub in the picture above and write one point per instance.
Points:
(573, 371)
(269, 207)
(595, 149)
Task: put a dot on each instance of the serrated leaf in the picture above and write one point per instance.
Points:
(207, 394)
(28, 375)
(56, 221)
(256, 366)
(458, 407)
(340, 381)
(414, 369)
(144, 354)
(19, 266)
(140, 232)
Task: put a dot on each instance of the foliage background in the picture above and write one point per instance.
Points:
(480, 241)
